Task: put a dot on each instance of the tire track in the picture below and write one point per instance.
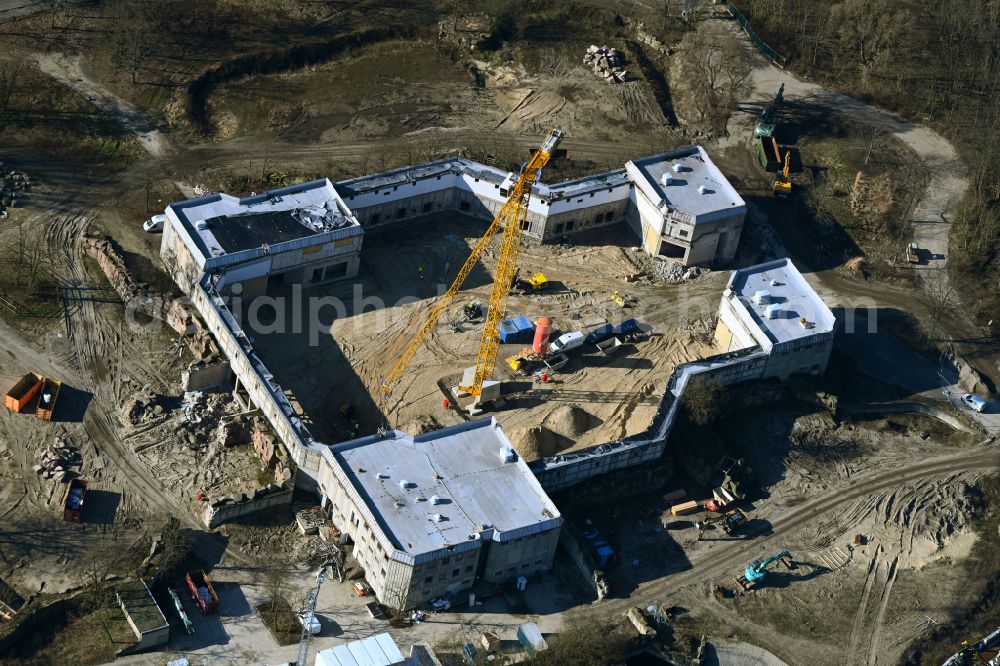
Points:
(720, 561)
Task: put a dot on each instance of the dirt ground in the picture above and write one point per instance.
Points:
(592, 400)
(910, 488)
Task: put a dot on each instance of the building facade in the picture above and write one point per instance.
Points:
(771, 306)
(301, 234)
(432, 514)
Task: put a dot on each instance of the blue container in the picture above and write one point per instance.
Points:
(525, 329)
(509, 332)
(627, 326)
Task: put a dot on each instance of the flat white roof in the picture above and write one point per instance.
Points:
(378, 650)
(790, 292)
(220, 224)
(480, 495)
(696, 171)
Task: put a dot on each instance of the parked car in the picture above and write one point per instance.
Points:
(974, 402)
(154, 224)
(310, 622)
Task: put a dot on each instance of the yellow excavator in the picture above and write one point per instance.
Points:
(782, 185)
(511, 219)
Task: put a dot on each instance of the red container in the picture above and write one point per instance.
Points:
(543, 328)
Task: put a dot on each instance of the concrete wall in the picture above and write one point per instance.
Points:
(207, 375)
(525, 556)
(220, 512)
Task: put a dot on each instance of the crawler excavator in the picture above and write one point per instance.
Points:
(756, 571)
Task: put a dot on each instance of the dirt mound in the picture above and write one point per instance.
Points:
(569, 421)
(420, 425)
(535, 442)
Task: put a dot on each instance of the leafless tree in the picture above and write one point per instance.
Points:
(703, 399)
(11, 68)
(718, 72)
(869, 30)
(133, 35)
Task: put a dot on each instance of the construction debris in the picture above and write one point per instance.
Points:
(57, 461)
(12, 185)
(608, 63)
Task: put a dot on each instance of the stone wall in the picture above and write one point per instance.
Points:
(175, 313)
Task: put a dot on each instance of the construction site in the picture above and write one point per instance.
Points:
(512, 337)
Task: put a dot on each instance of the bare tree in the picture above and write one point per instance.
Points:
(718, 72)
(132, 35)
(703, 399)
(869, 30)
(10, 75)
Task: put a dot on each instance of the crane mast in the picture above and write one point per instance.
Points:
(513, 214)
(510, 218)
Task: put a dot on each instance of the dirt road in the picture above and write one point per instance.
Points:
(949, 175)
(723, 561)
(69, 70)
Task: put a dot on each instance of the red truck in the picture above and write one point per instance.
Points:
(76, 490)
(202, 591)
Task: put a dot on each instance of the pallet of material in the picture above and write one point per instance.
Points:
(685, 508)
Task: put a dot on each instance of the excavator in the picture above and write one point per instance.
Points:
(782, 184)
(731, 520)
(511, 219)
(756, 571)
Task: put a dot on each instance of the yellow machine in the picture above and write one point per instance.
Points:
(510, 219)
(782, 185)
(538, 281)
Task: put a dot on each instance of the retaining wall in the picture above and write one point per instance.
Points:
(219, 513)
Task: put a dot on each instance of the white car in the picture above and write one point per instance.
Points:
(154, 224)
(310, 622)
(974, 402)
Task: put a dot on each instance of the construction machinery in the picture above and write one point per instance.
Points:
(511, 217)
(756, 571)
(473, 310)
(308, 619)
(782, 185)
(729, 521)
(769, 115)
(536, 282)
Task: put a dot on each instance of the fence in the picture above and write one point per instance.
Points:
(761, 45)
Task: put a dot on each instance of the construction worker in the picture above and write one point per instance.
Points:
(420, 272)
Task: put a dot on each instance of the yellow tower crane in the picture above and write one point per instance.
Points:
(510, 219)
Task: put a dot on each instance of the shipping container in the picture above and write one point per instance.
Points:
(47, 399)
(530, 637)
(23, 392)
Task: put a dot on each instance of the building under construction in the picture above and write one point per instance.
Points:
(677, 204)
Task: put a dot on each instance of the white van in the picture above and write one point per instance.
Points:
(567, 341)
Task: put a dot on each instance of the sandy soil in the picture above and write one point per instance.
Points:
(618, 395)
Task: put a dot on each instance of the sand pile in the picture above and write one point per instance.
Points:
(569, 421)
(534, 443)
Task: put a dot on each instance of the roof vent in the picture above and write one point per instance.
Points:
(398, 504)
(774, 283)
(507, 455)
(805, 323)
(382, 475)
(438, 518)
(678, 168)
(773, 311)
(435, 499)
(404, 484)
(667, 179)
(762, 297)
(702, 189)
(201, 225)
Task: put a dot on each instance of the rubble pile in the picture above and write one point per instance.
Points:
(202, 413)
(12, 185)
(143, 409)
(57, 461)
(673, 272)
(608, 63)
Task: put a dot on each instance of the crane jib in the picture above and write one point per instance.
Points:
(511, 218)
